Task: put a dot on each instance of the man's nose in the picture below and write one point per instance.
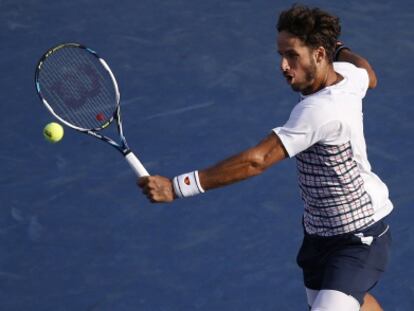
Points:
(284, 65)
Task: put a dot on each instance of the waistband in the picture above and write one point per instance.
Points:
(374, 230)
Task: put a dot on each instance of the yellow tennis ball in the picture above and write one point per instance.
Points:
(53, 132)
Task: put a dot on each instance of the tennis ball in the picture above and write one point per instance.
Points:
(53, 132)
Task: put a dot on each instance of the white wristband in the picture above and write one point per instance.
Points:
(187, 185)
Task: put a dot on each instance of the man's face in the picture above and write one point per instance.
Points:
(296, 62)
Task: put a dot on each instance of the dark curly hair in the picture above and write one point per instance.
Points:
(313, 26)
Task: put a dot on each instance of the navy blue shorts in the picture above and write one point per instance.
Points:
(344, 262)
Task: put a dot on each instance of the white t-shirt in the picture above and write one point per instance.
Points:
(333, 117)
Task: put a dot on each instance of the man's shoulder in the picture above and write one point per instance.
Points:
(349, 70)
(356, 78)
(344, 67)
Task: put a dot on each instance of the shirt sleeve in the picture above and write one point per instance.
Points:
(307, 126)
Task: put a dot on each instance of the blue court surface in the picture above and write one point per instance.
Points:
(199, 82)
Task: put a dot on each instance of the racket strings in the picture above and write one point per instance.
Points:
(74, 86)
(78, 87)
(72, 113)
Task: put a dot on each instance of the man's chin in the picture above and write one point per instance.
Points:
(304, 89)
(296, 88)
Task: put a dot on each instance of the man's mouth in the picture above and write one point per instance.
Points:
(288, 78)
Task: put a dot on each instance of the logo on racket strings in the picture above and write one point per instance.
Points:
(76, 87)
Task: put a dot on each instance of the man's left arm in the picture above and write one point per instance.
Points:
(346, 55)
(248, 163)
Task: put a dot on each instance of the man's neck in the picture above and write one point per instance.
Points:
(326, 77)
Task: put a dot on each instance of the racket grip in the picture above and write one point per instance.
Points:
(136, 165)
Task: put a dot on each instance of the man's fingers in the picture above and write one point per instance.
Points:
(156, 188)
(149, 187)
(143, 181)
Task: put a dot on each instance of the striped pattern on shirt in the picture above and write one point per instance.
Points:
(333, 191)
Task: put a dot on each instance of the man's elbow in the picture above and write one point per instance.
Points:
(371, 74)
(257, 165)
(260, 162)
(372, 79)
(267, 153)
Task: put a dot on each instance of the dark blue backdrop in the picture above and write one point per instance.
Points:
(199, 82)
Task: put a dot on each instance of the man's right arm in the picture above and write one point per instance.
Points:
(248, 163)
(346, 55)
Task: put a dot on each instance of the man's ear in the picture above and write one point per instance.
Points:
(319, 54)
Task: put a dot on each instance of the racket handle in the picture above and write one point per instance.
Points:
(136, 165)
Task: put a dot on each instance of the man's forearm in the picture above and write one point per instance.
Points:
(229, 171)
(249, 163)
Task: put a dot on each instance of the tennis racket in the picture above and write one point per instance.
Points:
(80, 90)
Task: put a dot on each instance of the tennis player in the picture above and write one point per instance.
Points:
(346, 239)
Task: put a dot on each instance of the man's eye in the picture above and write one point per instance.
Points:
(289, 55)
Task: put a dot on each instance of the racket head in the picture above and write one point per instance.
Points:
(77, 87)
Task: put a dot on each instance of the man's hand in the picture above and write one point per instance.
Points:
(158, 189)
